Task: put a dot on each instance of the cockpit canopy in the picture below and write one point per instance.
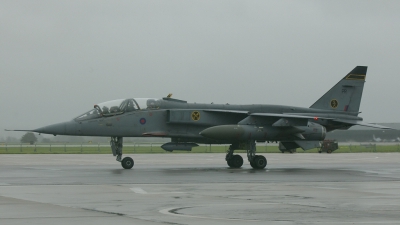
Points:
(120, 106)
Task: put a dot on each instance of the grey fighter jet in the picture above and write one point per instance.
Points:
(241, 126)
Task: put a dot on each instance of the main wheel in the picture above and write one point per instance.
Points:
(127, 163)
(259, 162)
(252, 164)
(229, 162)
(236, 161)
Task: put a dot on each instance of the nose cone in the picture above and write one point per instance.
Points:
(224, 132)
(66, 128)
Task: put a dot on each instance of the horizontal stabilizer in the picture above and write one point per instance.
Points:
(306, 145)
(360, 123)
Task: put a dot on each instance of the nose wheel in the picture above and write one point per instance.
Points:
(127, 163)
(116, 148)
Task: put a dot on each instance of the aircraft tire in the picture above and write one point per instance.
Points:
(236, 161)
(229, 162)
(259, 162)
(252, 164)
(127, 163)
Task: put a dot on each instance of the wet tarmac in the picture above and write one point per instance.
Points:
(361, 188)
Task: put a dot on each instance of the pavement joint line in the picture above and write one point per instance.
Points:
(138, 190)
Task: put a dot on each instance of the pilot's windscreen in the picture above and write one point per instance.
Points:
(89, 115)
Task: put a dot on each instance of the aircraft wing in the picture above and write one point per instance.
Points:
(278, 115)
(274, 117)
(226, 111)
(360, 123)
(278, 120)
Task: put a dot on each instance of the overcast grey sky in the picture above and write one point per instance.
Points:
(59, 58)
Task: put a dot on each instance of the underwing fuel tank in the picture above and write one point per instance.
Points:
(170, 146)
(250, 132)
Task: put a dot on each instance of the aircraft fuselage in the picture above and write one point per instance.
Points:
(175, 120)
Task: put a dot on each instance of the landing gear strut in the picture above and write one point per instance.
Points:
(236, 161)
(256, 161)
(116, 147)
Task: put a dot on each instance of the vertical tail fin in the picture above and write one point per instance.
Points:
(346, 95)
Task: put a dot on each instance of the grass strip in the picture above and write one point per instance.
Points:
(31, 149)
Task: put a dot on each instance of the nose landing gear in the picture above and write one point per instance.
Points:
(127, 163)
(116, 148)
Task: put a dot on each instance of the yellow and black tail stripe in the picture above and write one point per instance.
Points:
(355, 77)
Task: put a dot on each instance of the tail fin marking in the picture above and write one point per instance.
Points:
(346, 94)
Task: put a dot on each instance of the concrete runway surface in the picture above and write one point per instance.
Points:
(360, 188)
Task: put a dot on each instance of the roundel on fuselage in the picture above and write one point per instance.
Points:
(334, 103)
(195, 115)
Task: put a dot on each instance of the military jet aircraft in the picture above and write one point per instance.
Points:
(241, 126)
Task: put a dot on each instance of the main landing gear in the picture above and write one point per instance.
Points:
(116, 147)
(236, 161)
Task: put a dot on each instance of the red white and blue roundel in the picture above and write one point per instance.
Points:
(142, 121)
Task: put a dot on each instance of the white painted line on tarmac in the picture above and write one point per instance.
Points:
(332, 188)
(165, 193)
(139, 191)
(36, 168)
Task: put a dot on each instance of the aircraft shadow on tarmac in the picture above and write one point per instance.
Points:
(225, 174)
